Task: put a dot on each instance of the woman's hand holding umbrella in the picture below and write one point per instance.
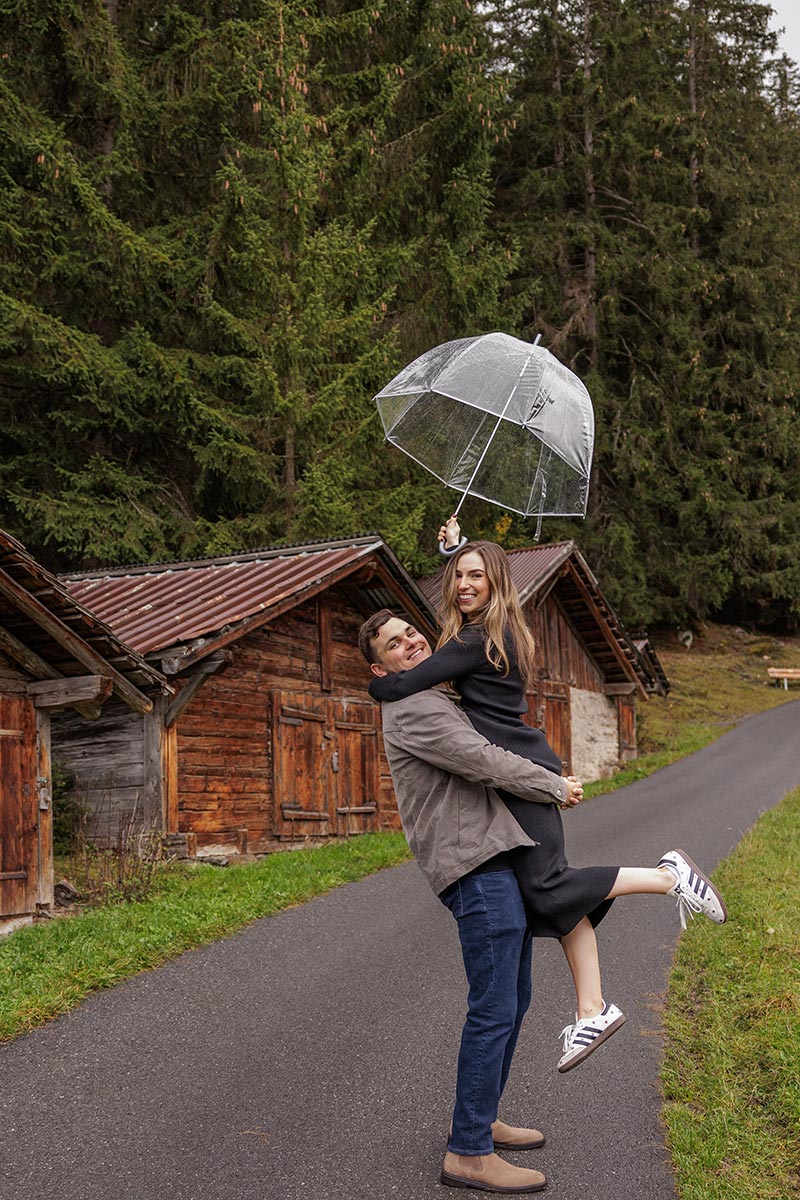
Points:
(449, 536)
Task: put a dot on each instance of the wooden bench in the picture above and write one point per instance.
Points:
(784, 674)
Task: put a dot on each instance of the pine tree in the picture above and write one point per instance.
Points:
(643, 281)
(225, 228)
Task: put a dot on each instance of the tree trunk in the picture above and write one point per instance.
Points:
(590, 191)
(107, 129)
(694, 163)
(290, 473)
(590, 249)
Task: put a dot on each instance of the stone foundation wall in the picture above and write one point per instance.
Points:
(595, 734)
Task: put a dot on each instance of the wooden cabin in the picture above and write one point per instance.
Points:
(590, 670)
(53, 655)
(271, 738)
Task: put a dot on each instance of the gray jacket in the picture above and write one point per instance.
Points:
(443, 772)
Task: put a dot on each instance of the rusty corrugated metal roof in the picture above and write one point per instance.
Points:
(49, 596)
(164, 605)
(533, 566)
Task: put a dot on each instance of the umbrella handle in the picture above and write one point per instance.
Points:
(452, 549)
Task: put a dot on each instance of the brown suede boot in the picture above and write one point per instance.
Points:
(510, 1137)
(489, 1173)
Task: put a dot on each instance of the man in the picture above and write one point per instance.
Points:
(461, 834)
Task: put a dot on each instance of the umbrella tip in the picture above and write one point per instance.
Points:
(537, 339)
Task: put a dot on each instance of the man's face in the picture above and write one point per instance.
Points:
(398, 647)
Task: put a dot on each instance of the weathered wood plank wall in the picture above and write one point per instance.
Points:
(566, 667)
(560, 654)
(106, 756)
(626, 713)
(215, 773)
(26, 830)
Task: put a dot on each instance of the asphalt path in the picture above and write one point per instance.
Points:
(311, 1056)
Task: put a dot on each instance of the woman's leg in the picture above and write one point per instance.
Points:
(580, 944)
(596, 1020)
(636, 881)
(580, 949)
(678, 876)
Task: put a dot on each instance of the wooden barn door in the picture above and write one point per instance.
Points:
(549, 710)
(302, 764)
(19, 802)
(357, 777)
(325, 772)
(626, 718)
(557, 719)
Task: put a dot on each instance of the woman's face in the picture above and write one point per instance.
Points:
(473, 589)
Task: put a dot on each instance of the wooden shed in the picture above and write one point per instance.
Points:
(271, 738)
(53, 654)
(590, 670)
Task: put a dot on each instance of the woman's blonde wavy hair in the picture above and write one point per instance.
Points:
(502, 613)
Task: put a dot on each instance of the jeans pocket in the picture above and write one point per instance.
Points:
(451, 898)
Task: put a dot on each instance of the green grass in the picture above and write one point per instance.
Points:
(47, 969)
(731, 1074)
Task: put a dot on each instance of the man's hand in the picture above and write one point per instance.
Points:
(450, 532)
(575, 792)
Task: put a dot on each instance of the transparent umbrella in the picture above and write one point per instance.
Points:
(497, 418)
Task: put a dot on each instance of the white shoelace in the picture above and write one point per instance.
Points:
(566, 1034)
(570, 1032)
(688, 905)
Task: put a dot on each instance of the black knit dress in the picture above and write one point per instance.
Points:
(556, 895)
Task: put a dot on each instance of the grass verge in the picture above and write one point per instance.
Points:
(731, 1073)
(47, 969)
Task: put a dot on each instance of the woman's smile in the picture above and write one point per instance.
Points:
(473, 588)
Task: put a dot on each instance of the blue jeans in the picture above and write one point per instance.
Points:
(496, 948)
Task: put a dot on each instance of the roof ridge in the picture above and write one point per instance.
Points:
(274, 551)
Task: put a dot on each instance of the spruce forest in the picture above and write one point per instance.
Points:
(225, 226)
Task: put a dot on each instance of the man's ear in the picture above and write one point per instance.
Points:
(378, 670)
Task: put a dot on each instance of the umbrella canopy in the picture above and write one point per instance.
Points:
(497, 418)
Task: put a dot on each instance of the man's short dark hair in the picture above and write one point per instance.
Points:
(369, 632)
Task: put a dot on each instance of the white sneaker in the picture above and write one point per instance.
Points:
(587, 1034)
(696, 893)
